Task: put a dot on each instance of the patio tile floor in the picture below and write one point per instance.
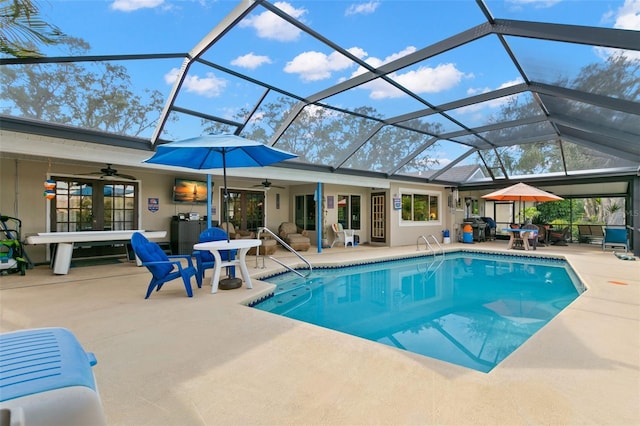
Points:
(210, 360)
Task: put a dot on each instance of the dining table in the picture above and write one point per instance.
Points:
(215, 247)
(519, 231)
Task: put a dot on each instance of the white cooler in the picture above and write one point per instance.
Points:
(46, 379)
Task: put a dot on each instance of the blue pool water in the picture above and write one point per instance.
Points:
(470, 309)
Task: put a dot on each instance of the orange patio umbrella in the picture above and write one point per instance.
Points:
(521, 192)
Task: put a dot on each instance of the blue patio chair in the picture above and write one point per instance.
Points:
(163, 268)
(615, 237)
(204, 258)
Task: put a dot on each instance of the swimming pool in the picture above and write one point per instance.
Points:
(469, 309)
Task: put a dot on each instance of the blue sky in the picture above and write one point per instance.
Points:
(266, 48)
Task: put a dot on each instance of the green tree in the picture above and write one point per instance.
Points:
(21, 29)
(609, 211)
(564, 211)
(324, 136)
(91, 95)
(617, 77)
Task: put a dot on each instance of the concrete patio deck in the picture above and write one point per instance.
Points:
(209, 360)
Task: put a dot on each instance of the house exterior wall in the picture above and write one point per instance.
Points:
(333, 190)
(22, 188)
(404, 233)
(29, 159)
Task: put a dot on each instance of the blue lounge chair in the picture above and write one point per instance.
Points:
(204, 258)
(615, 237)
(163, 268)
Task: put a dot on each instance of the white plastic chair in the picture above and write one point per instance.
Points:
(342, 234)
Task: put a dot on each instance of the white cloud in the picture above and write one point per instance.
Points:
(131, 5)
(431, 80)
(537, 4)
(421, 80)
(251, 61)
(209, 86)
(317, 111)
(627, 17)
(474, 91)
(377, 62)
(256, 118)
(271, 26)
(230, 112)
(492, 104)
(314, 66)
(362, 8)
(357, 52)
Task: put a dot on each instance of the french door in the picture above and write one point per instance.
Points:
(378, 218)
(245, 209)
(93, 205)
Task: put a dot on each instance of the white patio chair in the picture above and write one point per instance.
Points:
(342, 234)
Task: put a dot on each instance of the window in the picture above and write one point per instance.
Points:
(349, 211)
(420, 207)
(306, 212)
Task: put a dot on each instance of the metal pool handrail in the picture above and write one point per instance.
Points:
(285, 245)
(422, 237)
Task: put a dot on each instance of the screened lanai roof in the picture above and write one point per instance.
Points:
(436, 91)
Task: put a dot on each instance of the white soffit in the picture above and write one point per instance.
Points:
(587, 189)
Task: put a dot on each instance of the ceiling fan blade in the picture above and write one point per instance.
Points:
(267, 184)
(109, 172)
(123, 176)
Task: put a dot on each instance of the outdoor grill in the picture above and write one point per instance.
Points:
(479, 228)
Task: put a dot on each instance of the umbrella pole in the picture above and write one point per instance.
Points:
(519, 217)
(209, 217)
(226, 191)
(227, 283)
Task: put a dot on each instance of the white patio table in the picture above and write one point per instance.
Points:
(242, 245)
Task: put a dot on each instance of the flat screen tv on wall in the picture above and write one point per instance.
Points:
(190, 191)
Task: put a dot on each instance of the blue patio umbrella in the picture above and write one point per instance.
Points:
(217, 151)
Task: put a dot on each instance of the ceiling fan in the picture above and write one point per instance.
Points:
(111, 172)
(266, 184)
